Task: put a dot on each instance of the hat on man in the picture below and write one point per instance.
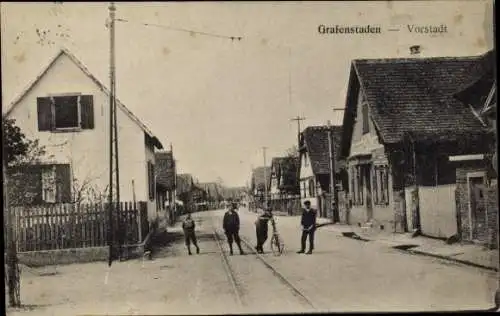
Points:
(307, 202)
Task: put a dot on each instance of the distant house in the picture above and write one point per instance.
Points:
(476, 175)
(284, 177)
(402, 122)
(213, 193)
(165, 173)
(314, 170)
(261, 178)
(189, 192)
(67, 109)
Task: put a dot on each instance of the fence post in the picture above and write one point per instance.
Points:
(139, 219)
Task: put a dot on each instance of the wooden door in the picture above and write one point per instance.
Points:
(477, 208)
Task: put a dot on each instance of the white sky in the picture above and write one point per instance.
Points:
(219, 101)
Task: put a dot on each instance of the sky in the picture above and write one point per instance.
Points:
(219, 101)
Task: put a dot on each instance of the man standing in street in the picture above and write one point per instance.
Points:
(261, 228)
(231, 225)
(308, 223)
(189, 233)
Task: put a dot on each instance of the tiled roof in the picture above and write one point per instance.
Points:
(314, 139)
(258, 179)
(476, 93)
(165, 169)
(416, 95)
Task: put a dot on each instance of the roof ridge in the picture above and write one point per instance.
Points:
(65, 51)
(417, 59)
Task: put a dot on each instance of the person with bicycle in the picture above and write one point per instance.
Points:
(261, 228)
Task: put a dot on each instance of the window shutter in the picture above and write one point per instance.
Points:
(63, 183)
(87, 111)
(44, 109)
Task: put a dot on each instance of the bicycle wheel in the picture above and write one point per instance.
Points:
(276, 245)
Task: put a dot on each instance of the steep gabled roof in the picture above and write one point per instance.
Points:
(165, 169)
(314, 140)
(412, 96)
(66, 52)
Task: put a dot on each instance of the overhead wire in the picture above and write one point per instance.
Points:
(171, 28)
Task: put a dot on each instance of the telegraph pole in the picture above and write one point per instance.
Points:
(112, 120)
(265, 176)
(332, 170)
(298, 119)
(10, 245)
(333, 186)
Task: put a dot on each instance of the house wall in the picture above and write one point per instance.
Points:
(369, 144)
(463, 201)
(438, 216)
(306, 173)
(86, 150)
(149, 156)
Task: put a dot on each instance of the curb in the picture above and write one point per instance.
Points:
(465, 262)
(427, 254)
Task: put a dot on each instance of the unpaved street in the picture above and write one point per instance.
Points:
(341, 275)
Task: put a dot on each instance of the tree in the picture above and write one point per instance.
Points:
(18, 149)
(292, 151)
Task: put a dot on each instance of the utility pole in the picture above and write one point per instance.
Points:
(10, 244)
(333, 186)
(332, 170)
(265, 176)
(112, 120)
(298, 119)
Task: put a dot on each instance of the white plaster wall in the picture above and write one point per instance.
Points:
(438, 210)
(87, 150)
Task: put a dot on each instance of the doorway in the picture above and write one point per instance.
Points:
(477, 205)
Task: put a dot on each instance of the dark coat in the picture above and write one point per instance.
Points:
(231, 222)
(308, 218)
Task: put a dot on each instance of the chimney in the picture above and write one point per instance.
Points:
(415, 50)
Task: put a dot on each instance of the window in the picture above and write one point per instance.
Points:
(357, 185)
(38, 184)
(151, 180)
(49, 184)
(380, 180)
(305, 160)
(366, 122)
(69, 112)
(312, 188)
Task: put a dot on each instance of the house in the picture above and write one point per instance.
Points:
(284, 186)
(314, 169)
(476, 175)
(401, 124)
(189, 192)
(165, 173)
(261, 178)
(213, 193)
(67, 109)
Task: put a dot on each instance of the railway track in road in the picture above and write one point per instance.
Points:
(234, 277)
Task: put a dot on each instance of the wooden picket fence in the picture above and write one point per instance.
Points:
(63, 226)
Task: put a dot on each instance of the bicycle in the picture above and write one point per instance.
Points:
(277, 243)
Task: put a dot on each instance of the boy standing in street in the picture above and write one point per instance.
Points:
(231, 225)
(189, 233)
(308, 223)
